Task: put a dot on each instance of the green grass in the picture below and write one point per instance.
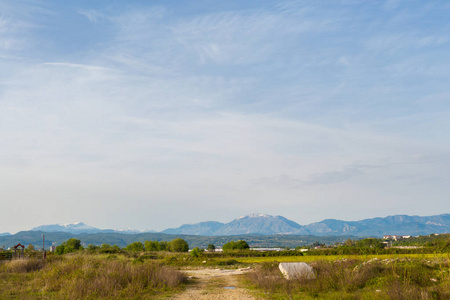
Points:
(386, 277)
(153, 274)
(82, 276)
(310, 258)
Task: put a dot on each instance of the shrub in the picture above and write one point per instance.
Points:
(228, 262)
(24, 265)
(179, 245)
(106, 248)
(135, 247)
(239, 245)
(152, 246)
(71, 245)
(92, 247)
(196, 252)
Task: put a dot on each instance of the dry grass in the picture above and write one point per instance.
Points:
(384, 279)
(86, 276)
(23, 265)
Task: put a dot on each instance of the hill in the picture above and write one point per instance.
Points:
(121, 239)
(376, 227)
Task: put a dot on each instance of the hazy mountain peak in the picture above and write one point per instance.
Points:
(78, 227)
(256, 215)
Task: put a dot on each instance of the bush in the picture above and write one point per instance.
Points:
(71, 245)
(239, 245)
(106, 248)
(228, 262)
(211, 248)
(135, 247)
(196, 252)
(178, 245)
(24, 265)
(152, 246)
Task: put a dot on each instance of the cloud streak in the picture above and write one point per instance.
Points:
(309, 111)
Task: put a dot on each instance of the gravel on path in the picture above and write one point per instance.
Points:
(215, 284)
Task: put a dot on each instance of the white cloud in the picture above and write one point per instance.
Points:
(92, 15)
(222, 112)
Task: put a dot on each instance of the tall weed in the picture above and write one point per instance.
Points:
(82, 276)
(393, 279)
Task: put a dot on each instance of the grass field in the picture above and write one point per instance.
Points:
(306, 258)
(355, 277)
(148, 275)
(83, 276)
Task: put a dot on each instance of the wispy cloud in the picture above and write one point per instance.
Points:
(93, 15)
(310, 104)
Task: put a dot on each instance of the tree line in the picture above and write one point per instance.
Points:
(176, 245)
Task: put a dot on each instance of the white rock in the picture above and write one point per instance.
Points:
(297, 270)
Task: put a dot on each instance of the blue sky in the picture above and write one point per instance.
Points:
(151, 114)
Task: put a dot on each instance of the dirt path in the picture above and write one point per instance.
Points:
(214, 284)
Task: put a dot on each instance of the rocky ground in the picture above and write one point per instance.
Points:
(215, 284)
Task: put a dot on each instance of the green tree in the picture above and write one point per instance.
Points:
(211, 248)
(196, 252)
(178, 245)
(30, 248)
(71, 245)
(92, 247)
(238, 245)
(164, 246)
(74, 244)
(152, 246)
(136, 247)
(107, 248)
(370, 243)
(61, 249)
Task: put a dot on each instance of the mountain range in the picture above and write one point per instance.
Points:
(263, 224)
(79, 227)
(266, 224)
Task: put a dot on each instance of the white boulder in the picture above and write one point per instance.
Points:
(296, 270)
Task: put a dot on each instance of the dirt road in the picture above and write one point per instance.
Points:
(214, 284)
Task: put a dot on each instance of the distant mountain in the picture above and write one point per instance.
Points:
(202, 228)
(75, 228)
(128, 230)
(260, 224)
(5, 234)
(79, 227)
(398, 225)
(267, 225)
(251, 224)
(259, 230)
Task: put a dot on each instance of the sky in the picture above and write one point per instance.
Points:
(153, 114)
